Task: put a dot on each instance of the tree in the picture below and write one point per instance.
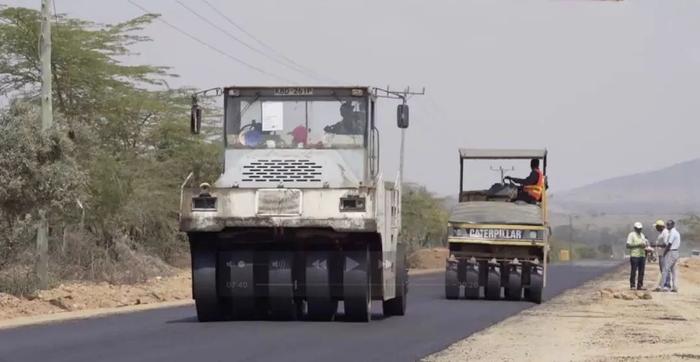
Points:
(423, 217)
(127, 130)
(88, 78)
(38, 170)
(691, 225)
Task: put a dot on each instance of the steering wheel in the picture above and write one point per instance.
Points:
(250, 135)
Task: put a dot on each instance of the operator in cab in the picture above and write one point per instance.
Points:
(351, 124)
(531, 188)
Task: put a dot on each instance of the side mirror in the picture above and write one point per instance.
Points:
(402, 116)
(195, 119)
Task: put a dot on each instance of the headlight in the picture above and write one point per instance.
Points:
(204, 201)
(352, 203)
(458, 232)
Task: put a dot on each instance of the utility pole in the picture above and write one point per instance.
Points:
(42, 235)
(45, 52)
(571, 238)
(403, 96)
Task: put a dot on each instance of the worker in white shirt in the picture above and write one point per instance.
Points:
(660, 246)
(671, 256)
(637, 244)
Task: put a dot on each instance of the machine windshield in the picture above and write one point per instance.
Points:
(276, 122)
(497, 180)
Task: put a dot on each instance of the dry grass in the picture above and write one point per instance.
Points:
(79, 257)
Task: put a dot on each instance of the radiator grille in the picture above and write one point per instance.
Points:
(282, 170)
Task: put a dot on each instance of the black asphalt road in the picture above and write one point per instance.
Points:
(431, 324)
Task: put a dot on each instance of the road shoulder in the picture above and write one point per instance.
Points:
(90, 300)
(599, 321)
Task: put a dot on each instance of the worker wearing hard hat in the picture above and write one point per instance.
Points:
(671, 256)
(660, 246)
(637, 244)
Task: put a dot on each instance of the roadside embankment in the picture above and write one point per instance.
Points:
(429, 258)
(600, 321)
(85, 296)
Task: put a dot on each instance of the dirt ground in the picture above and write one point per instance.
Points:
(88, 296)
(600, 321)
(433, 258)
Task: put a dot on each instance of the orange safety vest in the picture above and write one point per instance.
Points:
(535, 191)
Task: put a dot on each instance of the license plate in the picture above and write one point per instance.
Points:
(284, 202)
(294, 91)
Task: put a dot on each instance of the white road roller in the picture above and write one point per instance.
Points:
(302, 217)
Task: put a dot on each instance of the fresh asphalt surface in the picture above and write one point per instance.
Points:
(431, 324)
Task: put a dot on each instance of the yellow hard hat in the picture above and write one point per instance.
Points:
(660, 223)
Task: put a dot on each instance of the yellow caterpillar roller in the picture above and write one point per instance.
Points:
(498, 238)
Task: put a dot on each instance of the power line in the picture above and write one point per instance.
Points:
(280, 55)
(211, 47)
(237, 39)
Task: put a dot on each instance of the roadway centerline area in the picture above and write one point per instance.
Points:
(173, 334)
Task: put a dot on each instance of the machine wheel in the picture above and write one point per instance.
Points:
(209, 306)
(320, 304)
(236, 274)
(452, 280)
(534, 292)
(493, 283)
(514, 289)
(397, 305)
(356, 285)
(471, 281)
(281, 285)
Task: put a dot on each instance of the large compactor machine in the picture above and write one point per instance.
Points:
(497, 246)
(302, 217)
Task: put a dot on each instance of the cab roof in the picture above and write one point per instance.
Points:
(300, 92)
(498, 154)
(325, 87)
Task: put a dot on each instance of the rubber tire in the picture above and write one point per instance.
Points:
(242, 276)
(493, 284)
(514, 289)
(356, 285)
(210, 308)
(319, 302)
(451, 281)
(281, 285)
(471, 282)
(397, 305)
(534, 293)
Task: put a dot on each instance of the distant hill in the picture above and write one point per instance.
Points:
(672, 190)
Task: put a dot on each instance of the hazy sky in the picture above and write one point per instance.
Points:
(610, 88)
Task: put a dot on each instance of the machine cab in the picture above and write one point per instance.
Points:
(298, 137)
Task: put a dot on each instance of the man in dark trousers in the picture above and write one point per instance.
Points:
(637, 244)
(532, 187)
